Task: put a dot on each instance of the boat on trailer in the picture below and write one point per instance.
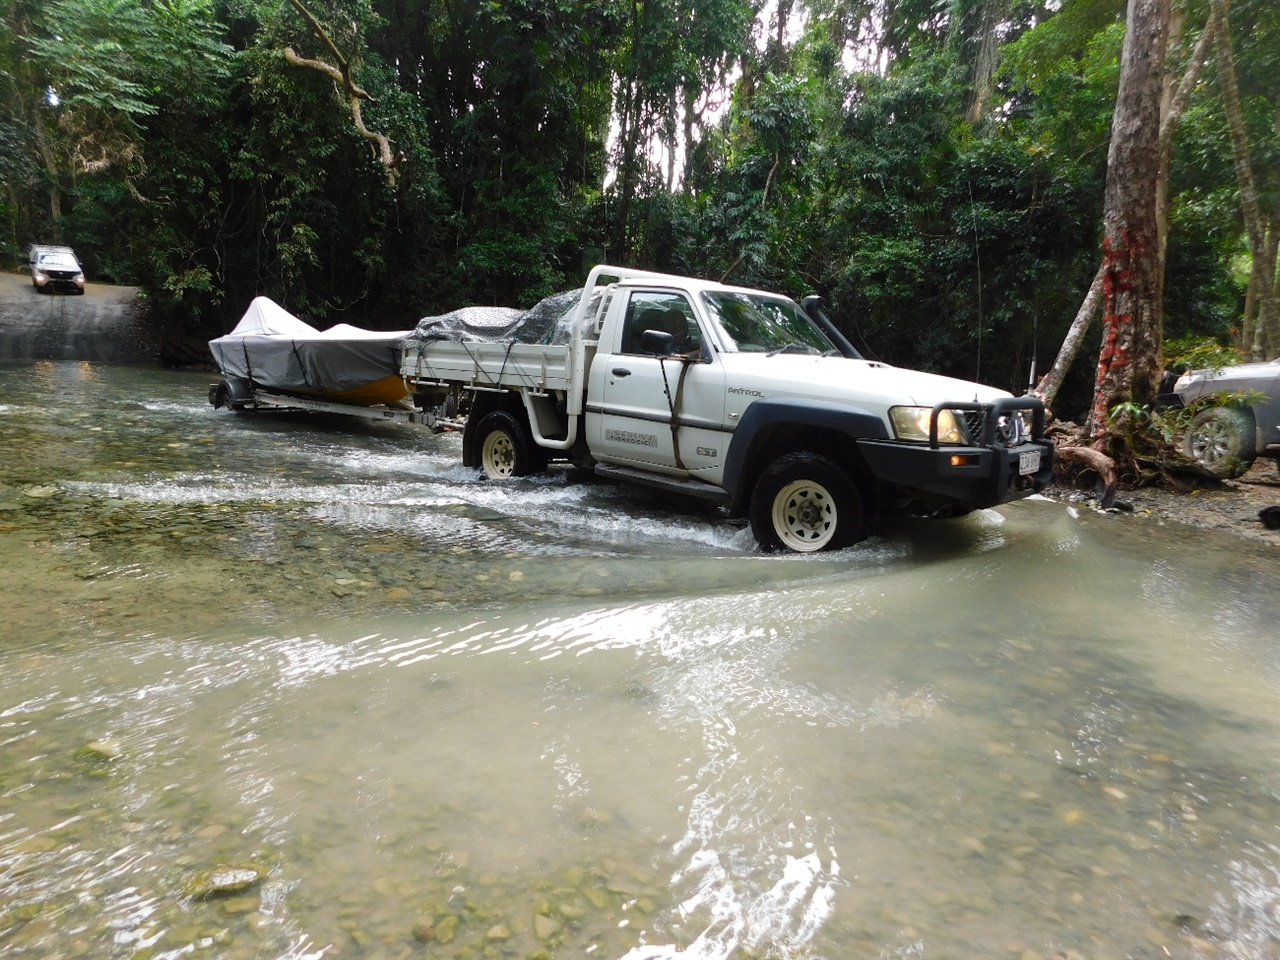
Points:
(273, 350)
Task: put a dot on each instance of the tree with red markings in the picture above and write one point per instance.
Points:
(1130, 359)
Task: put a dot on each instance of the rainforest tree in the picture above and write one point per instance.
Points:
(936, 171)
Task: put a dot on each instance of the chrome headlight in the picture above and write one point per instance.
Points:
(912, 423)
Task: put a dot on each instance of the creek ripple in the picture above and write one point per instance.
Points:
(300, 687)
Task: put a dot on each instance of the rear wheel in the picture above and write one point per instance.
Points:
(504, 447)
(1221, 440)
(805, 503)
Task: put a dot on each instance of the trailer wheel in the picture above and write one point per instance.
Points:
(506, 449)
(803, 502)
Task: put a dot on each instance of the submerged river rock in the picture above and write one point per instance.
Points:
(221, 881)
(301, 688)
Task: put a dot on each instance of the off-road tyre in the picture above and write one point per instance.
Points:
(1221, 440)
(804, 503)
(504, 448)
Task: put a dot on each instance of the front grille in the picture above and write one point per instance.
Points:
(973, 422)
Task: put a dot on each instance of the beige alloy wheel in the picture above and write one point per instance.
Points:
(804, 516)
(498, 455)
(804, 502)
(504, 449)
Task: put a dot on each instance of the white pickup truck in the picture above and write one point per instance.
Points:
(740, 397)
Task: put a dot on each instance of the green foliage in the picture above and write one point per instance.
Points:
(1199, 353)
(1141, 425)
(126, 57)
(534, 137)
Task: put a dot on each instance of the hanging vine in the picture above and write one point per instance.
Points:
(352, 91)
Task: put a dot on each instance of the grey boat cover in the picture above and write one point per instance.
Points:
(546, 322)
(274, 349)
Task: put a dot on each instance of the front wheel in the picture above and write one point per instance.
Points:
(505, 447)
(803, 502)
(1221, 440)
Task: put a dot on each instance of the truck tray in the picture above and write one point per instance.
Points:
(533, 366)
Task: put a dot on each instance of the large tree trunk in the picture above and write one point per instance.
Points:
(1264, 288)
(631, 93)
(629, 135)
(1266, 338)
(1173, 104)
(1129, 362)
(686, 174)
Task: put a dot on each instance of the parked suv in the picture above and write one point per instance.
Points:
(1226, 439)
(55, 268)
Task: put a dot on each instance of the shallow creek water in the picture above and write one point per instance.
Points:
(432, 716)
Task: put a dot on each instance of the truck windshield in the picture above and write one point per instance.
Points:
(766, 324)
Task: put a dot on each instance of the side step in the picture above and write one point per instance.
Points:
(685, 486)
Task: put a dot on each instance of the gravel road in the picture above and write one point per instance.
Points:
(103, 325)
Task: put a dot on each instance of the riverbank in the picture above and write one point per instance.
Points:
(1229, 507)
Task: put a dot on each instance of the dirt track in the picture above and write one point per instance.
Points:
(105, 324)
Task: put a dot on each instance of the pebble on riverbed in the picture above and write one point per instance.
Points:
(107, 750)
(221, 881)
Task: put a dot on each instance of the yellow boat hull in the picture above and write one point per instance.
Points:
(387, 391)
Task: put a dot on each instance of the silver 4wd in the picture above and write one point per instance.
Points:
(1227, 437)
(55, 269)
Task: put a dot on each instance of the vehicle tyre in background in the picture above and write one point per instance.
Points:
(1221, 440)
(804, 502)
(504, 447)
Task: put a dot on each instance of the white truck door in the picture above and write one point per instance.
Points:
(639, 394)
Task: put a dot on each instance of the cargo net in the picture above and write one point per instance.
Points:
(548, 321)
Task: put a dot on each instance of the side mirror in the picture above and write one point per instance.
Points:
(658, 343)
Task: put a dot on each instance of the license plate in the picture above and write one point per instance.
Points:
(1028, 461)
